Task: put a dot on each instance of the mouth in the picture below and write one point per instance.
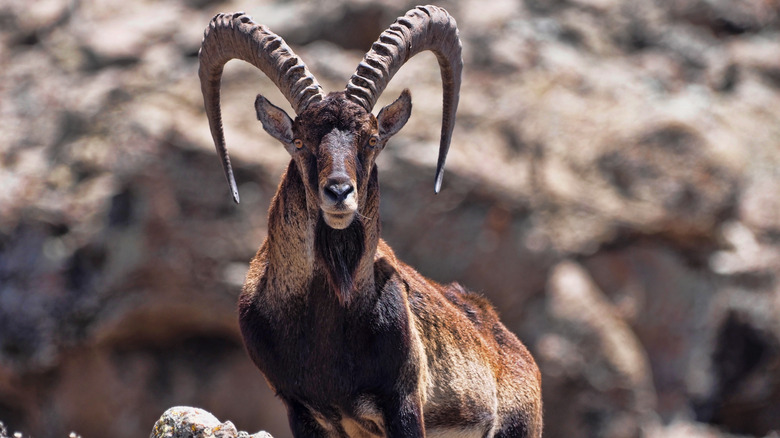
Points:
(338, 219)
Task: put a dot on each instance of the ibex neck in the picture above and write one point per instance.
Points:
(294, 255)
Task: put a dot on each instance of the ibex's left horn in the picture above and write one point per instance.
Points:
(423, 28)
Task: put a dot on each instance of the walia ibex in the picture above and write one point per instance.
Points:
(355, 342)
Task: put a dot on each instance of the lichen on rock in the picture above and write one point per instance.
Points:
(189, 422)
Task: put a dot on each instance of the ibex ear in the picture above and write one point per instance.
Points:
(393, 117)
(275, 122)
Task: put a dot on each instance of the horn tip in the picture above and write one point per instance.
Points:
(233, 189)
(437, 181)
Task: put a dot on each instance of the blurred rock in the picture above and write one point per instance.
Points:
(351, 25)
(590, 351)
(743, 354)
(760, 204)
(667, 302)
(728, 18)
(187, 422)
(683, 429)
(745, 360)
(745, 256)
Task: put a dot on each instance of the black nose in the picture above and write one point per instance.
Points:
(338, 191)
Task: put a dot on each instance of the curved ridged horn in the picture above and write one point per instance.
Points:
(422, 28)
(236, 36)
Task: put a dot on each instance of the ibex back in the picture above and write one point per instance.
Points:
(355, 342)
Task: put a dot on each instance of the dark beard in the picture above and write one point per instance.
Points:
(340, 251)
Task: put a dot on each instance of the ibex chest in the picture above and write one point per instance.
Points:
(313, 349)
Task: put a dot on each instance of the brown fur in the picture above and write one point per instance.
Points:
(354, 341)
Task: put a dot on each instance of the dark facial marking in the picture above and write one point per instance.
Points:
(337, 155)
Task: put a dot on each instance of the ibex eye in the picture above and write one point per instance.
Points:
(298, 143)
(372, 141)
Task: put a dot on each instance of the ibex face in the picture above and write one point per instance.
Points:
(334, 143)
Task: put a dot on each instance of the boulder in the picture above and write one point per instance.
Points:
(187, 422)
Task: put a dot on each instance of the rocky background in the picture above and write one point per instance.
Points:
(613, 187)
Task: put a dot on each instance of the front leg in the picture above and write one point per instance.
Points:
(403, 416)
(302, 422)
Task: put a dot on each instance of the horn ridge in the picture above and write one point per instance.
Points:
(236, 36)
(420, 29)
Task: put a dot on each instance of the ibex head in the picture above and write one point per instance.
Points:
(334, 140)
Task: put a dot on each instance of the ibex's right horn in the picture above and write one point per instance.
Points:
(230, 36)
(423, 28)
